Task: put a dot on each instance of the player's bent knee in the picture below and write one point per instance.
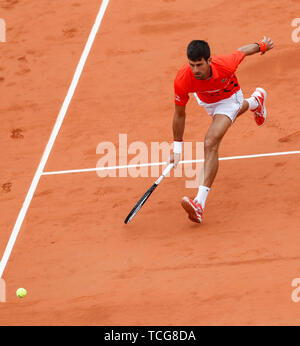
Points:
(211, 144)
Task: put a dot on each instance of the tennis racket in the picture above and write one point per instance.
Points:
(147, 194)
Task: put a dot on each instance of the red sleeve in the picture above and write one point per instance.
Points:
(232, 61)
(181, 96)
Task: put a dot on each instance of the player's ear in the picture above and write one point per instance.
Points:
(209, 60)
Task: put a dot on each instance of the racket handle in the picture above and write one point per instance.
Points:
(164, 173)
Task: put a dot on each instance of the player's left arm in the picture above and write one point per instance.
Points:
(264, 45)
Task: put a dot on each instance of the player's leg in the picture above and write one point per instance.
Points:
(214, 135)
(244, 108)
(224, 114)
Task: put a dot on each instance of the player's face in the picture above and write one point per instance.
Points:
(200, 68)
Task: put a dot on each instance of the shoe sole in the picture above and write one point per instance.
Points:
(190, 210)
(263, 91)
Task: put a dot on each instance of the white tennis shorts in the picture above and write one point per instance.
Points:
(230, 107)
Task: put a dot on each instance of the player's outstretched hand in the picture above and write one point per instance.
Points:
(174, 158)
(269, 43)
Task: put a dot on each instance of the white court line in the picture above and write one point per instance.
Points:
(164, 163)
(56, 128)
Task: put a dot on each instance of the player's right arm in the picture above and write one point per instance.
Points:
(178, 130)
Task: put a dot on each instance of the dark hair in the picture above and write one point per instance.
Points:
(197, 50)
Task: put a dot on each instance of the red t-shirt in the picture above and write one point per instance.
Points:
(221, 85)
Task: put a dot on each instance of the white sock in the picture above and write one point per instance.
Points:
(253, 104)
(202, 195)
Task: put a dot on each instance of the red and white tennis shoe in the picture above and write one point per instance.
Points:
(260, 113)
(193, 208)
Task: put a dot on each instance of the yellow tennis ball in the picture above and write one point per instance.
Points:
(21, 292)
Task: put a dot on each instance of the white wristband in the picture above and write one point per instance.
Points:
(177, 149)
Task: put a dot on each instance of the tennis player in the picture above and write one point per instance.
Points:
(214, 84)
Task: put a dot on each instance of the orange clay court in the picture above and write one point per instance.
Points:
(80, 264)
